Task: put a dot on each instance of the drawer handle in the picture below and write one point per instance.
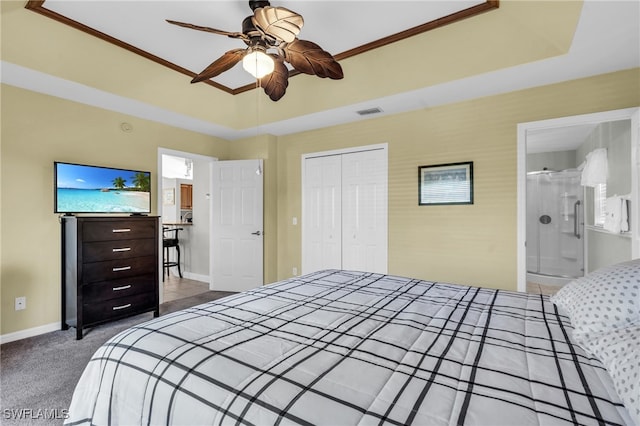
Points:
(124, 268)
(122, 230)
(116, 250)
(116, 308)
(124, 287)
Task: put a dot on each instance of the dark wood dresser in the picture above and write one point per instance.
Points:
(109, 269)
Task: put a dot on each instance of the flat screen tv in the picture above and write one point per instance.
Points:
(82, 188)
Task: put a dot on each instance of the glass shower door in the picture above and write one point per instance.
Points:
(555, 240)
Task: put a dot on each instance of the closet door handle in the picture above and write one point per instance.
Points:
(258, 233)
(576, 230)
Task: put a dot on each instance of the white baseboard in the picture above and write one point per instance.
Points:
(30, 332)
(197, 277)
(23, 334)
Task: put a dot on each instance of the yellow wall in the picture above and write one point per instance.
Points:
(473, 244)
(467, 244)
(36, 130)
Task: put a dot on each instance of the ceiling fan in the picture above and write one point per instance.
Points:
(271, 36)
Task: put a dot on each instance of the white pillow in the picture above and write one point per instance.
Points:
(619, 351)
(604, 300)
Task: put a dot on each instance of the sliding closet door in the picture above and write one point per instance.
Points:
(364, 211)
(322, 223)
(344, 223)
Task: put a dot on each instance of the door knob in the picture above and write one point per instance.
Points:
(256, 233)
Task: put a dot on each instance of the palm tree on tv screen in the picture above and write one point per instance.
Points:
(142, 181)
(119, 183)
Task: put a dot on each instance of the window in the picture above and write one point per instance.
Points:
(599, 204)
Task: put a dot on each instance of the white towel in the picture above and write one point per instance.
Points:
(596, 168)
(616, 219)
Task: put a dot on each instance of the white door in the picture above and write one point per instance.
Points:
(344, 224)
(322, 223)
(364, 211)
(236, 225)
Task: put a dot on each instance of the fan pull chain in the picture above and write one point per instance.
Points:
(258, 86)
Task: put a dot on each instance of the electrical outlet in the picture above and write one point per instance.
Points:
(21, 303)
(295, 271)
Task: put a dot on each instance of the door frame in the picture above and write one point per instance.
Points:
(350, 150)
(593, 118)
(184, 154)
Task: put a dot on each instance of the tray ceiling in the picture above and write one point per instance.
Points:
(520, 45)
(344, 28)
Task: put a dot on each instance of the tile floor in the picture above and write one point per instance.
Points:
(542, 288)
(178, 288)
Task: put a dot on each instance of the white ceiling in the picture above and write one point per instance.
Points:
(607, 39)
(337, 26)
(558, 139)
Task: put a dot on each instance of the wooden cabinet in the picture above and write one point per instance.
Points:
(109, 269)
(186, 196)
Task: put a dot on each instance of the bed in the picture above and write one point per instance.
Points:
(344, 348)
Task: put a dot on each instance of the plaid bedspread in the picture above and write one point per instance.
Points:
(350, 348)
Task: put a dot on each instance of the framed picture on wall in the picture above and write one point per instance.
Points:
(168, 196)
(445, 184)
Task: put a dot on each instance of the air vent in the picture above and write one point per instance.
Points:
(370, 111)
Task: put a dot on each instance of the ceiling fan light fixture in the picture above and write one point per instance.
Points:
(270, 28)
(258, 64)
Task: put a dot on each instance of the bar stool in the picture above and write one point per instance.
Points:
(169, 240)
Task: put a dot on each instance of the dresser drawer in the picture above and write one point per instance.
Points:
(121, 268)
(123, 306)
(124, 287)
(124, 249)
(109, 230)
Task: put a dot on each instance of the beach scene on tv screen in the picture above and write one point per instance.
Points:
(86, 189)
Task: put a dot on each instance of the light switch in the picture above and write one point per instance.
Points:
(295, 221)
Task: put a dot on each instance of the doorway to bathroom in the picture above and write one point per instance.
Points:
(561, 234)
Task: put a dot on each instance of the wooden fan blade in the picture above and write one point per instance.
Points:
(278, 22)
(275, 84)
(309, 58)
(208, 29)
(220, 65)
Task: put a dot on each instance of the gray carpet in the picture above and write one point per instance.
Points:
(38, 374)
